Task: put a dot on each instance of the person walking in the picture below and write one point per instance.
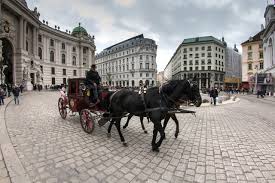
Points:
(214, 94)
(21, 88)
(2, 94)
(16, 92)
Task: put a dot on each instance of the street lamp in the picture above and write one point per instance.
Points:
(256, 79)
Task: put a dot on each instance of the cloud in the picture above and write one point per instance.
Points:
(125, 3)
(168, 22)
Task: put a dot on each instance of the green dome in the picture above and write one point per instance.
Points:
(79, 30)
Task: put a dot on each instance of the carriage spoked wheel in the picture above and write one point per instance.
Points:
(62, 108)
(87, 121)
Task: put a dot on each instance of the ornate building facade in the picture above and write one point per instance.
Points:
(201, 56)
(128, 63)
(31, 52)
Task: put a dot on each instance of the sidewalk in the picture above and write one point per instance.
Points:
(230, 101)
(11, 169)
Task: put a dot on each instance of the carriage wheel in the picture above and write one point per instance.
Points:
(62, 108)
(87, 121)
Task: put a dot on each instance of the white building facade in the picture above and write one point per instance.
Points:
(269, 50)
(128, 63)
(203, 57)
(34, 53)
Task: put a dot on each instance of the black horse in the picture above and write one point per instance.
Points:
(184, 99)
(157, 103)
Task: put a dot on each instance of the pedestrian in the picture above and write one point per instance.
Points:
(21, 88)
(214, 94)
(2, 95)
(16, 92)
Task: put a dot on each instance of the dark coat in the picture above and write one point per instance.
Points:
(214, 93)
(93, 77)
(16, 91)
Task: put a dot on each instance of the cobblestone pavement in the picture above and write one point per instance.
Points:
(230, 143)
(4, 177)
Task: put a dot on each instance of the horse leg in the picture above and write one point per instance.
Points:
(166, 119)
(128, 119)
(162, 134)
(142, 124)
(154, 146)
(119, 132)
(173, 116)
(110, 128)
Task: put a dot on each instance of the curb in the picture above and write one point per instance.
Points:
(16, 171)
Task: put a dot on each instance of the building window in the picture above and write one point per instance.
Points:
(209, 68)
(147, 66)
(51, 42)
(64, 72)
(133, 59)
(63, 58)
(209, 61)
(41, 69)
(184, 56)
(209, 48)
(140, 57)
(63, 46)
(147, 74)
(147, 57)
(185, 63)
(261, 55)
(249, 55)
(74, 60)
(261, 65)
(190, 55)
(249, 47)
(184, 50)
(209, 54)
(53, 81)
(202, 62)
(53, 70)
(190, 62)
(197, 55)
(190, 49)
(40, 38)
(133, 66)
(27, 46)
(152, 58)
(196, 62)
(74, 49)
(140, 65)
(185, 68)
(203, 55)
(64, 81)
(140, 74)
(197, 48)
(191, 68)
(249, 66)
(202, 48)
(40, 53)
(52, 56)
(84, 50)
(202, 68)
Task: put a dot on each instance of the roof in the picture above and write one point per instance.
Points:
(201, 40)
(133, 38)
(78, 30)
(23, 2)
(255, 38)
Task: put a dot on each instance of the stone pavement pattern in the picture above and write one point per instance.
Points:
(4, 176)
(230, 143)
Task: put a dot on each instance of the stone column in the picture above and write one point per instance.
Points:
(21, 29)
(34, 41)
(24, 34)
(80, 60)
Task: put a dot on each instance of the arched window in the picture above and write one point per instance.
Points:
(74, 60)
(40, 53)
(52, 56)
(63, 58)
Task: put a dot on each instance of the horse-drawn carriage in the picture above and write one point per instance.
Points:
(77, 100)
(157, 104)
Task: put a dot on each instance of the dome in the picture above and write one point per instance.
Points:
(79, 30)
(23, 2)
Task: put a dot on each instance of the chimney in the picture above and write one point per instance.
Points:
(262, 27)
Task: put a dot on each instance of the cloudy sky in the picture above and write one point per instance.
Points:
(168, 22)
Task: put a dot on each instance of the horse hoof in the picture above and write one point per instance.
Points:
(124, 127)
(125, 144)
(145, 131)
(108, 135)
(176, 136)
(155, 149)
